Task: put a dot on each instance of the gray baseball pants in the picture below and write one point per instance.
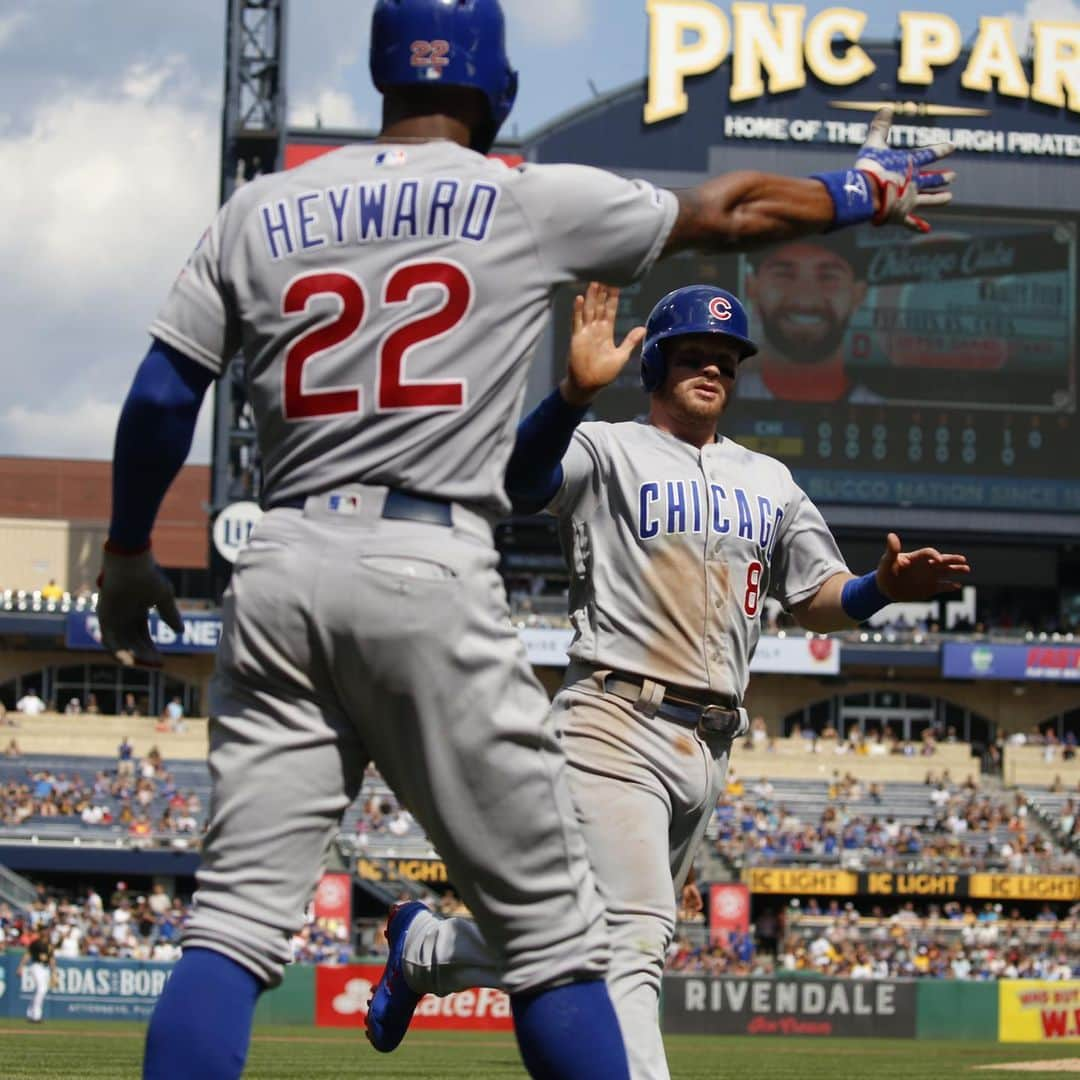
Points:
(644, 789)
(349, 637)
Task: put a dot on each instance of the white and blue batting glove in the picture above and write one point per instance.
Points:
(900, 178)
(130, 584)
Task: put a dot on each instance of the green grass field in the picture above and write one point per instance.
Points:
(71, 1050)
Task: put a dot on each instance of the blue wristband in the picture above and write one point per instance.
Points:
(853, 201)
(861, 597)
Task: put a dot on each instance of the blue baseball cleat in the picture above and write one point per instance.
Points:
(391, 1005)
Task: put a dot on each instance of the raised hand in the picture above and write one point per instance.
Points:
(595, 360)
(902, 184)
(918, 575)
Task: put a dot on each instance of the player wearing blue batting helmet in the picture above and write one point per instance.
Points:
(423, 45)
(694, 309)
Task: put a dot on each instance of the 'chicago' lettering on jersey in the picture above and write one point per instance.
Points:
(375, 210)
(682, 506)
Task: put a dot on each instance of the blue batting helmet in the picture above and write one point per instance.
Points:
(447, 43)
(695, 309)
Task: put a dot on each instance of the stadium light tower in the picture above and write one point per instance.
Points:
(252, 142)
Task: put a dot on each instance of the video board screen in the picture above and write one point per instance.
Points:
(894, 369)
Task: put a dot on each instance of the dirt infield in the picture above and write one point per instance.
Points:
(1061, 1065)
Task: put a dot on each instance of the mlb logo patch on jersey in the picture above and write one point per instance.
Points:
(391, 158)
(343, 504)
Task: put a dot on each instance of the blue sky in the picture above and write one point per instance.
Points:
(560, 45)
(109, 144)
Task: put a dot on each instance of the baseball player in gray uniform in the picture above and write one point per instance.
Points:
(673, 536)
(387, 299)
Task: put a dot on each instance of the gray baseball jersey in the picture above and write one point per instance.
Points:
(671, 550)
(388, 298)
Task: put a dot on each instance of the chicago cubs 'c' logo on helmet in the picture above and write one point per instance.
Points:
(695, 309)
(720, 308)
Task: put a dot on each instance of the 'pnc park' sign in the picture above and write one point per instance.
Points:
(773, 49)
(807, 882)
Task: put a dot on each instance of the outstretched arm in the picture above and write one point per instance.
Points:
(743, 210)
(535, 473)
(845, 600)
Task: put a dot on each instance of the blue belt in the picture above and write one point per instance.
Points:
(689, 708)
(397, 506)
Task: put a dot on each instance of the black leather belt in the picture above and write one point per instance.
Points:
(682, 706)
(397, 506)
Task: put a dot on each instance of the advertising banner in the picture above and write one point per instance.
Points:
(341, 997)
(428, 870)
(546, 647)
(827, 882)
(961, 660)
(1033, 1010)
(802, 882)
(202, 632)
(333, 898)
(89, 988)
(729, 909)
(1023, 887)
(796, 656)
(803, 1006)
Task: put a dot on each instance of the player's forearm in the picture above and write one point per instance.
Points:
(534, 474)
(842, 602)
(823, 613)
(153, 438)
(743, 210)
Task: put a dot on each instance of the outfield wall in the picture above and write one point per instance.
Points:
(1021, 1010)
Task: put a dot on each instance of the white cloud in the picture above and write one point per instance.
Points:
(550, 22)
(1040, 11)
(329, 109)
(10, 25)
(85, 430)
(115, 193)
(105, 196)
(48, 432)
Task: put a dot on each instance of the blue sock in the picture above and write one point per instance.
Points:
(201, 1025)
(570, 1033)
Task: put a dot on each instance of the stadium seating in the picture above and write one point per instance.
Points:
(808, 822)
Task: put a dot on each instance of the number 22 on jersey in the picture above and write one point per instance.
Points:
(393, 391)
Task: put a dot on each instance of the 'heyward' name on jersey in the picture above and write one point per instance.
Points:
(369, 211)
(679, 506)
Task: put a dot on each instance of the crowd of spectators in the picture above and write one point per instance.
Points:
(142, 927)
(961, 828)
(133, 927)
(140, 796)
(950, 941)
(31, 703)
(381, 815)
(874, 742)
(953, 941)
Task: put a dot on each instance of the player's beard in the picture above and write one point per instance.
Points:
(813, 342)
(683, 403)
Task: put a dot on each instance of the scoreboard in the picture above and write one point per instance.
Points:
(896, 369)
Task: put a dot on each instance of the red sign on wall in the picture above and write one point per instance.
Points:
(341, 1000)
(729, 909)
(333, 898)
